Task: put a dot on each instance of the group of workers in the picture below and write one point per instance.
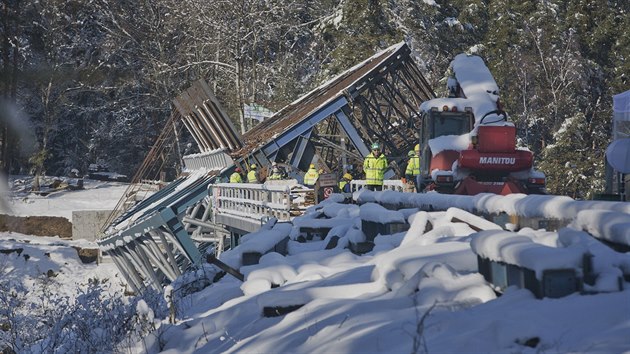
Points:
(252, 175)
(374, 166)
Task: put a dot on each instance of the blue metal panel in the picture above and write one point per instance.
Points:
(352, 133)
(189, 194)
(303, 126)
(298, 151)
(557, 283)
(192, 195)
(139, 228)
(150, 200)
(271, 148)
(498, 273)
(177, 229)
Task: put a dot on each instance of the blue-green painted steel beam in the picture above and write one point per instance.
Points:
(182, 236)
(303, 126)
(352, 133)
(150, 200)
(299, 148)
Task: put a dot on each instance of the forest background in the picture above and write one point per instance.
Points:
(88, 80)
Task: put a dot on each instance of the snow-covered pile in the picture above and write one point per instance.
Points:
(520, 250)
(543, 206)
(416, 289)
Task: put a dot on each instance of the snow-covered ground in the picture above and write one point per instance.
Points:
(417, 291)
(96, 195)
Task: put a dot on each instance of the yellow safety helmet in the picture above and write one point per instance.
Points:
(253, 166)
(411, 154)
(417, 147)
(347, 176)
(311, 166)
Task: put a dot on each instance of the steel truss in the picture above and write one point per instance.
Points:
(376, 101)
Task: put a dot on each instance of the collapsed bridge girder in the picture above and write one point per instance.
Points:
(375, 101)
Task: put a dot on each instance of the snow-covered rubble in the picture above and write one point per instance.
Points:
(421, 285)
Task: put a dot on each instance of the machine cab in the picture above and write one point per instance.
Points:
(436, 123)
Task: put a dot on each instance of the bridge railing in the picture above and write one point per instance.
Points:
(253, 201)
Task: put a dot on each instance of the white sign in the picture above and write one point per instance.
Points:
(257, 112)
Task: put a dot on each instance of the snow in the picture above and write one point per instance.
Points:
(512, 248)
(96, 195)
(544, 206)
(376, 213)
(449, 142)
(417, 291)
(474, 76)
(608, 225)
(481, 94)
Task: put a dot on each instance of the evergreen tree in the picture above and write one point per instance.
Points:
(97, 76)
(361, 30)
(570, 165)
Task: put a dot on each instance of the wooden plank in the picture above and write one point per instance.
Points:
(210, 128)
(225, 134)
(184, 111)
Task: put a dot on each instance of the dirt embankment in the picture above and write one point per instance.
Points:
(37, 225)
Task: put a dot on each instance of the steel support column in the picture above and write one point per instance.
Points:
(352, 133)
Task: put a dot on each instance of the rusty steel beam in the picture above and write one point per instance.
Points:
(206, 119)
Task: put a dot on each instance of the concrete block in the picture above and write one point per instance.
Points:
(311, 232)
(361, 247)
(372, 229)
(86, 224)
(275, 311)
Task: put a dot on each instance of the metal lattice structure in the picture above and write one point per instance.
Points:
(377, 100)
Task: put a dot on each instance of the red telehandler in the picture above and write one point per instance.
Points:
(467, 144)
